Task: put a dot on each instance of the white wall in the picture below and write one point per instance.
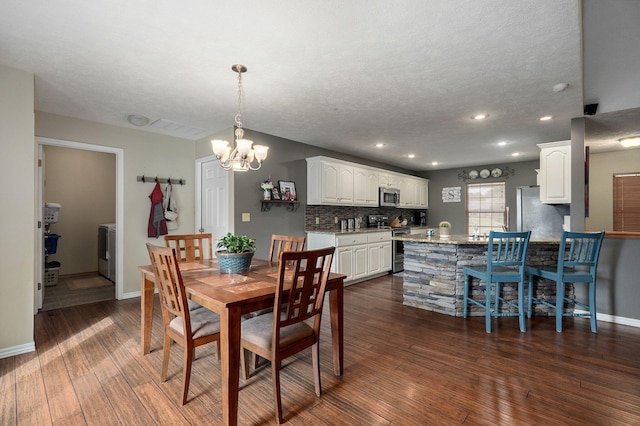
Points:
(17, 227)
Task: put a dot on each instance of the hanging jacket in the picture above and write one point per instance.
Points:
(170, 208)
(157, 224)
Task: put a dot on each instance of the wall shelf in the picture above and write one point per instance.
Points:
(291, 205)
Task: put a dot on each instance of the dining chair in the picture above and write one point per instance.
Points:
(281, 243)
(191, 247)
(294, 323)
(577, 263)
(189, 329)
(506, 256)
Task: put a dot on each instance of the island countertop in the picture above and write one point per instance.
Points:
(462, 239)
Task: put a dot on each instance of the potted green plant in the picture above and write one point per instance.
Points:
(236, 254)
(444, 229)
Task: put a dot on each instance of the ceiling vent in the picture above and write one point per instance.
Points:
(590, 109)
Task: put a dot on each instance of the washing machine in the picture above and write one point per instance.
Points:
(107, 251)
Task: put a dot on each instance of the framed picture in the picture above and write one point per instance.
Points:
(275, 194)
(287, 190)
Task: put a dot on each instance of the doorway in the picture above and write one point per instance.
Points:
(116, 288)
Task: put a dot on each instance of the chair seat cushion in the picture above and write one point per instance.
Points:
(193, 305)
(259, 331)
(203, 323)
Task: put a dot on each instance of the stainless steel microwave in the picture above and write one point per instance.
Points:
(389, 197)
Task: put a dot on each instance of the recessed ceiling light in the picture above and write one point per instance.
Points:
(411, 156)
(515, 154)
(434, 163)
(380, 145)
(629, 142)
(502, 143)
(479, 116)
(546, 118)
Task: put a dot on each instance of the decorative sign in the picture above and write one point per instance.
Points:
(451, 195)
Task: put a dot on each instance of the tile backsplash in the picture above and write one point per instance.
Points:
(326, 215)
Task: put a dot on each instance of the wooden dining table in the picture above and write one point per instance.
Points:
(231, 296)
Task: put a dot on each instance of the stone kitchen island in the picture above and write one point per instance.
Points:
(434, 278)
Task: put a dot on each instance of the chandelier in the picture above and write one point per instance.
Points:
(241, 158)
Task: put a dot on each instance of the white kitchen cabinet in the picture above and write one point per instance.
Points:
(336, 182)
(554, 176)
(389, 179)
(365, 187)
(358, 255)
(329, 182)
(379, 251)
(414, 192)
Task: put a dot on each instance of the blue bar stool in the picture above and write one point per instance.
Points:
(577, 263)
(506, 255)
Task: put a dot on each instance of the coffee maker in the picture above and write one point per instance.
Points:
(421, 218)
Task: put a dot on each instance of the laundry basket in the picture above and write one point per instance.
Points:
(50, 243)
(51, 276)
(51, 211)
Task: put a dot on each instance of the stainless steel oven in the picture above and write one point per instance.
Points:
(397, 251)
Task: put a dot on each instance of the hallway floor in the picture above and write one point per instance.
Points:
(61, 296)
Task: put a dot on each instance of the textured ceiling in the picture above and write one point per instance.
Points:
(337, 74)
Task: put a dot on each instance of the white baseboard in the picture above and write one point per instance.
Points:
(131, 295)
(17, 350)
(614, 319)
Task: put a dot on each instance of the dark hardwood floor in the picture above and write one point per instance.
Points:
(403, 366)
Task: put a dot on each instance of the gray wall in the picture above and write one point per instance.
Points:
(524, 174)
(286, 161)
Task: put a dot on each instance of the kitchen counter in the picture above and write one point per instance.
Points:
(461, 239)
(352, 231)
(433, 271)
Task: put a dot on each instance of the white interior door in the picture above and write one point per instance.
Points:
(214, 198)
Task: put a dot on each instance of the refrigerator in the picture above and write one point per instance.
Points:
(545, 221)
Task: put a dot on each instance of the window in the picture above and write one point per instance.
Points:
(626, 202)
(485, 207)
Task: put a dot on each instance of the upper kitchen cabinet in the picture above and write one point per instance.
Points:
(336, 182)
(554, 176)
(414, 192)
(388, 179)
(329, 182)
(365, 187)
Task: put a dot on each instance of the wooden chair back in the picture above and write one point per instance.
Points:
(173, 297)
(191, 247)
(282, 243)
(302, 280)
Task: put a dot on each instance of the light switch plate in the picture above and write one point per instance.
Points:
(246, 217)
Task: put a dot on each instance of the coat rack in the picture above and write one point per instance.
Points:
(151, 179)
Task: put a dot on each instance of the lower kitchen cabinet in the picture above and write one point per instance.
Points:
(358, 255)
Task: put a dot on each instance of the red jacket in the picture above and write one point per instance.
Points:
(157, 224)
